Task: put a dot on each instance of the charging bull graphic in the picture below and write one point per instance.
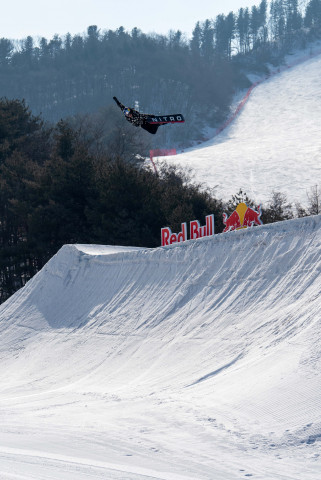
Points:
(242, 217)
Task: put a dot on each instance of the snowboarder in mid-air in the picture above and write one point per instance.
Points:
(146, 121)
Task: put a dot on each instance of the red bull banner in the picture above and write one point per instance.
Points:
(195, 231)
(242, 217)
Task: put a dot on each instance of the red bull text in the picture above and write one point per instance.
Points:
(195, 231)
(242, 217)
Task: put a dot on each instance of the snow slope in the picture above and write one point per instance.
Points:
(275, 141)
(196, 361)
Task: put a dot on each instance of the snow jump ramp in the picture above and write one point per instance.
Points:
(195, 361)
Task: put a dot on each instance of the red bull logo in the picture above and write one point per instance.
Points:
(195, 230)
(242, 217)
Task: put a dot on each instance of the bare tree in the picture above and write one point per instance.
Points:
(314, 199)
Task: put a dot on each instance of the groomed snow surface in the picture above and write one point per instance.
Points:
(274, 144)
(200, 361)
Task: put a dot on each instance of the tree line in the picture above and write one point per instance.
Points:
(59, 186)
(79, 74)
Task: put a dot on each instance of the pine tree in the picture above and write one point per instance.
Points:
(17, 127)
(207, 40)
(224, 34)
(255, 23)
(6, 49)
(239, 197)
(293, 16)
(241, 30)
(314, 198)
(195, 43)
(312, 17)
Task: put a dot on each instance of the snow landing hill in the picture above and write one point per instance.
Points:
(274, 143)
(200, 361)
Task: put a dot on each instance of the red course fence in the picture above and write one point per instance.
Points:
(160, 152)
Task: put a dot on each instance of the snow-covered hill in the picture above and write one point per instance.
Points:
(197, 361)
(275, 141)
